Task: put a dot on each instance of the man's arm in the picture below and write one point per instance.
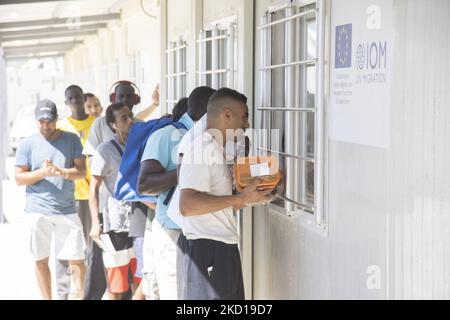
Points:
(194, 203)
(96, 182)
(153, 179)
(77, 172)
(142, 115)
(25, 177)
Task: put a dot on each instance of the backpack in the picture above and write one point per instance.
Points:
(127, 178)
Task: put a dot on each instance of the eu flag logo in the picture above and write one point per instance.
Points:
(343, 56)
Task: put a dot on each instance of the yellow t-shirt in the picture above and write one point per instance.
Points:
(81, 129)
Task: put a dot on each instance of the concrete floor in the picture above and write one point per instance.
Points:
(17, 276)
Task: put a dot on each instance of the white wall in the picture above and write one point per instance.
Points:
(3, 124)
(387, 207)
(112, 54)
(181, 19)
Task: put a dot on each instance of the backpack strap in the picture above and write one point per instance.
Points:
(116, 145)
(169, 196)
(177, 125)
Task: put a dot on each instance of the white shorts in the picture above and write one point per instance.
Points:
(68, 231)
(164, 254)
(149, 283)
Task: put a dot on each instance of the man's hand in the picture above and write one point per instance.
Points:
(96, 229)
(155, 95)
(251, 194)
(48, 169)
(144, 114)
(279, 189)
(54, 170)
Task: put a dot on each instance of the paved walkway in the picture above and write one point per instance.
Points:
(17, 275)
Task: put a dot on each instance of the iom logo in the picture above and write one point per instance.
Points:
(372, 55)
(343, 56)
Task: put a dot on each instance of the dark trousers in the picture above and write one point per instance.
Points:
(210, 270)
(95, 280)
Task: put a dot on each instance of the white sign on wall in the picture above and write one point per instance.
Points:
(361, 62)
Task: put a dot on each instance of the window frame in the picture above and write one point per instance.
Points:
(294, 145)
(218, 34)
(176, 72)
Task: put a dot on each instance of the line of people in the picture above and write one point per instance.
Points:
(180, 240)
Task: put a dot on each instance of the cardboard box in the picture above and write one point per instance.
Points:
(266, 169)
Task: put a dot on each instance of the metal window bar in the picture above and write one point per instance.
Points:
(174, 75)
(263, 83)
(289, 55)
(213, 71)
(290, 64)
(288, 155)
(299, 204)
(230, 56)
(290, 37)
(312, 110)
(182, 46)
(287, 19)
(213, 38)
(215, 58)
(268, 84)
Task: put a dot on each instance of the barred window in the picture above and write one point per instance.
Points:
(291, 103)
(217, 56)
(176, 72)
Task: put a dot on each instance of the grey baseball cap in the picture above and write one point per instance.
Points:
(46, 109)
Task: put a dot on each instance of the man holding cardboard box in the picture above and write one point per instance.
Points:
(211, 266)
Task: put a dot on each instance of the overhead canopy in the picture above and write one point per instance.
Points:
(38, 28)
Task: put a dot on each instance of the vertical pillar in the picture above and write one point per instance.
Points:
(193, 59)
(4, 127)
(245, 37)
(179, 69)
(230, 63)
(202, 59)
(319, 104)
(164, 47)
(215, 47)
(171, 81)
